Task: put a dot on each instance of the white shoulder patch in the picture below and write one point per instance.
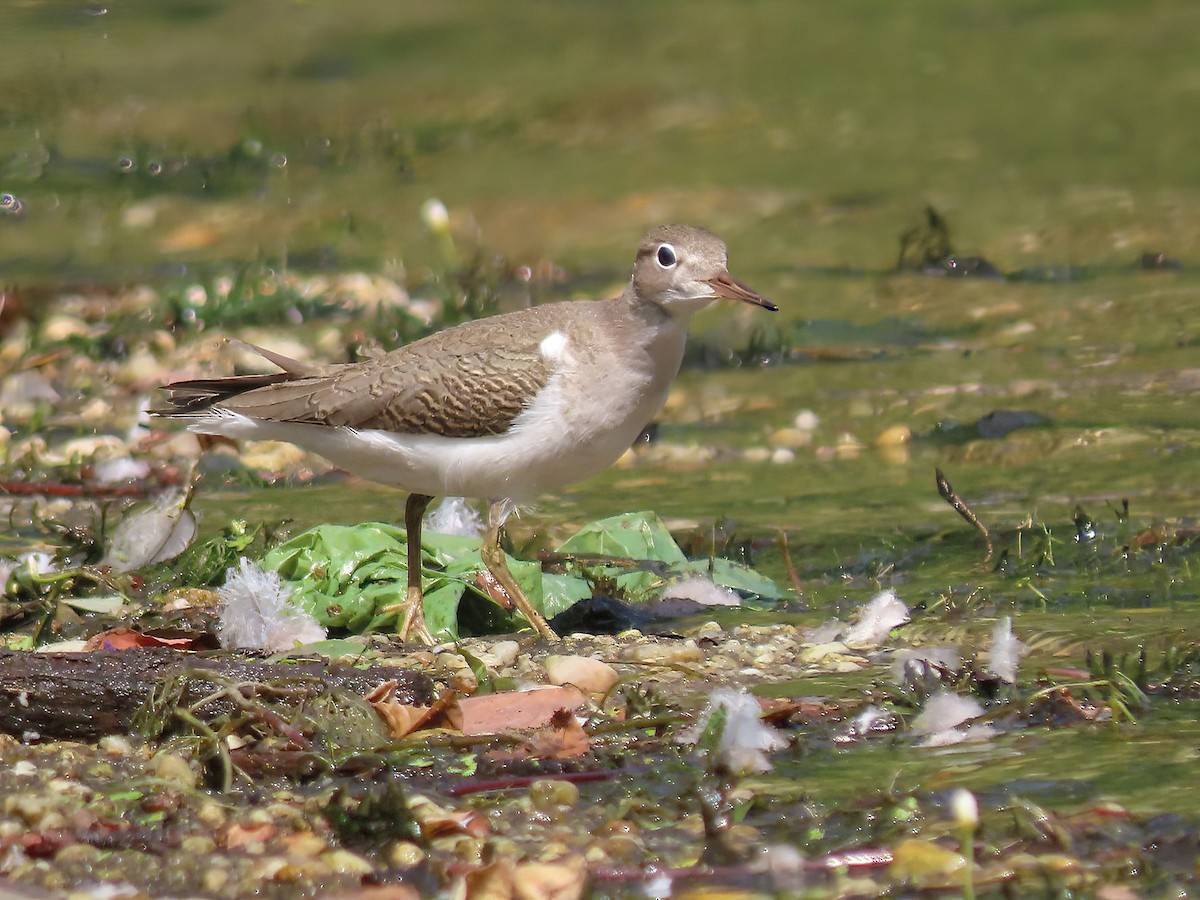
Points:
(555, 346)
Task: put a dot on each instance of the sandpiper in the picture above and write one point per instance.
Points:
(502, 409)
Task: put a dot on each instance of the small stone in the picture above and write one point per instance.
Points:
(174, 768)
(116, 745)
(96, 411)
(141, 367)
(272, 456)
(848, 446)
(664, 654)
(77, 854)
(304, 844)
(95, 447)
(344, 862)
(215, 881)
(791, 438)
(893, 436)
(589, 675)
(806, 420)
(505, 653)
(405, 855)
(211, 814)
(58, 328)
(550, 793)
(756, 454)
(782, 456)
(197, 845)
(818, 652)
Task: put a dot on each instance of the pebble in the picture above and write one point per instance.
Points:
(589, 675)
(783, 455)
(59, 327)
(791, 438)
(550, 793)
(96, 411)
(116, 745)
(405, 855)
(99, 447)
(896, 434)
(346, 863)
(272, 456)
(819, 652)
(197, 845)
(806, 420)
(848, 446)
(215, 880)
(140, 367)
(664, 653)
(498, 655)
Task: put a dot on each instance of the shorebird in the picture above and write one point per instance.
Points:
(502, 409)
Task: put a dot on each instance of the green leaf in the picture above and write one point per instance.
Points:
(730, 574)
(637, 535)
(112, 604)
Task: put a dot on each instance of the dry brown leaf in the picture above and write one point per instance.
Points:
(403, 719)
(380, 892)
(497, 713)
(436, 820)
(563, 879)
(563, 738)
(492, 882)
(240, 835)
(128, 638)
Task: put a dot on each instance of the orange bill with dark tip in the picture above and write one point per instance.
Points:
(725, 285)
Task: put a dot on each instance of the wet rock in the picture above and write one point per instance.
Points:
(664, 654)
(806, 420)
(498, 655)
(174, 768)
(405, 855)
(272, 456)
(58, 328)
(589, 675)
(1002, 422)
(832, 657)
(893, 436)
(22, 393)
(551, 792)
(791, 438)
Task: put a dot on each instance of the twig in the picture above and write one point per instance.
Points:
(793, 575)
(219, 747)
(960, 506)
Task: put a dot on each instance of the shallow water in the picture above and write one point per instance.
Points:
(148, 141)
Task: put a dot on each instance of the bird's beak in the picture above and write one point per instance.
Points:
(725, 285)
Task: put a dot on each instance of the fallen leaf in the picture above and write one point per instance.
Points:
(564, 879)
(380, 892)
(127, 638)
(403, 719)
(563, 738)
(496, 713)
(491, 882)
(240, 835)
(435, 820)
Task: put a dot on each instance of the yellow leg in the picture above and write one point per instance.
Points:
(414, 604)
(493, 558)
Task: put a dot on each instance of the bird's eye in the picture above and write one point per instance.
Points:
(666, 256)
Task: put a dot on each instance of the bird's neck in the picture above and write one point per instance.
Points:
(659, 331)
